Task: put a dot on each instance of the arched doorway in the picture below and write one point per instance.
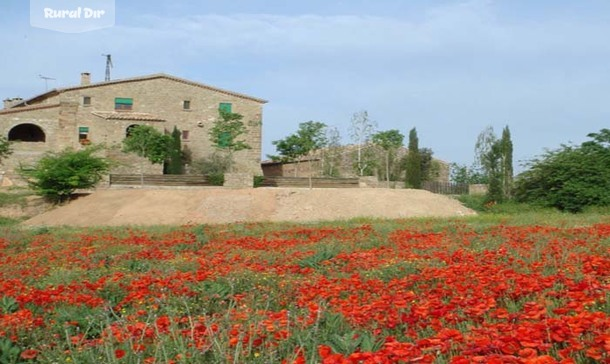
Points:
(26, 133)
(129, 129)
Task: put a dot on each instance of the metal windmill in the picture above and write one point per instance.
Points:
(108, 65)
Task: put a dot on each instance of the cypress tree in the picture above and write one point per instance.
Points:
(413, 177)
(507, 163)
(174, 164)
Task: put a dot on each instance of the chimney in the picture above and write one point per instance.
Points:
(8, 103)
(85, 79)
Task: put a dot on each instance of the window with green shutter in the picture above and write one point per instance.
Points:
(123, 103)
(83, 135)
(225, 107)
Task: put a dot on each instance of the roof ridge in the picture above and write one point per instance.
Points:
(15, 109)
(143, 78)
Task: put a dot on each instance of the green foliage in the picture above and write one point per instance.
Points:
(413, 170)
(493, 163)
(309, 137)
(507, 163)
(14, 198)
(571, 177)
(5, 148)
(216, 179)
(57, 175)
(389, 141)
(147, 142)
(460, 173)
(8, 305)
(226, 133)
(227, 130)
(174, 162)
(430, 168)
(258, 181)
(494, 159)
(215, 163)
(9, 352)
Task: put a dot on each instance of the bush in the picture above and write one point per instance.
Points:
(570, 178)
(216, 163)
(57, 175)
(216, 179)
(258, 181)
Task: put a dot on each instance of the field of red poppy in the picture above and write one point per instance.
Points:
(420, 291)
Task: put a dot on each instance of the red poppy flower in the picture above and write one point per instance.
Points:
(29, 354)
(119, 353)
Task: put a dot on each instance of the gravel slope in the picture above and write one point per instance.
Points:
(114, 207)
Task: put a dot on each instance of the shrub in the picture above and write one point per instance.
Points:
(571, 177)
(216, 179)
(258, 181)
(215, 163)
(57, 175)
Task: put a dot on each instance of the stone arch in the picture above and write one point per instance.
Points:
(129, 129)
(27, 133)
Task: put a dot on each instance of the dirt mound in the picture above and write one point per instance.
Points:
(115, 207)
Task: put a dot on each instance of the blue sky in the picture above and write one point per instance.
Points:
(448, 68)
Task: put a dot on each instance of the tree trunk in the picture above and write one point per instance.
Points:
(387, 168)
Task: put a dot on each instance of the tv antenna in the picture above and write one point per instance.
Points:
(46, 81)
(108, 66)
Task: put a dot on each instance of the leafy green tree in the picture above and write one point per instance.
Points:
(430, 168)
(227, 132)
(494, 158)
(389, 141)
(569, 178)
(147, 142)
(493, 163)
(5, 148)
(460, 173)
(174, 163)
(309, 137)
(413, 170)
(57, 175)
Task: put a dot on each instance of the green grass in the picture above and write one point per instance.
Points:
(14, 197)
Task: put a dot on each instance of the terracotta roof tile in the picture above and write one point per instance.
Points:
(27, 108)
(126, 115)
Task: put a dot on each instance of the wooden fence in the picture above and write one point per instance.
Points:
(446, 188)
(159, 180)
(316, 182)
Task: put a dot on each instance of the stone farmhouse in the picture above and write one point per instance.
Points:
(103, 112)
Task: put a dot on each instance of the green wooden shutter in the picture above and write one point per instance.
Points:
(225, 107)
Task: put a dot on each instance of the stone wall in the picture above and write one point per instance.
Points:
(239, 180)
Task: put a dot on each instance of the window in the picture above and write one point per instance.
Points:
(186, 105)
(185, 135)
(225, 107)
(83, 135)
(86, 100)
(123, 103)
